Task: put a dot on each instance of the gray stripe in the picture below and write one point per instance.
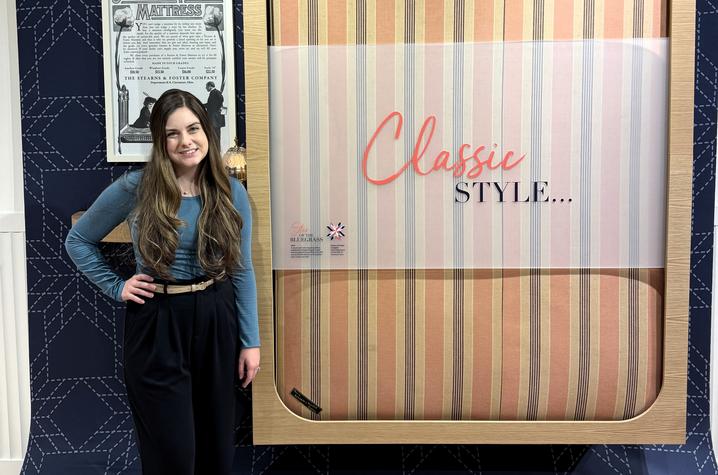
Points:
(457, 385)
(409, 224)
(362, 224)
(535, 210)
(634, 174)
(314, 202)
(585, 212)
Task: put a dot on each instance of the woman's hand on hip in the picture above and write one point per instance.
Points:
(248, 365)
(138, 286)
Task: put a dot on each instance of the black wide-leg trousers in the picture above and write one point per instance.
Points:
(180, 360)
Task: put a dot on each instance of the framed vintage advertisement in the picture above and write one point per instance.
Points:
(472, 220)
(152, 46)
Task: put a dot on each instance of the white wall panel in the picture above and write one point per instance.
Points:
(14, 359)
(11, 189)
(10, 467)
(14, 362)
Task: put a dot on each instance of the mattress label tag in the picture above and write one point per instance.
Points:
(311, 405)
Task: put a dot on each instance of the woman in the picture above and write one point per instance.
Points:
(193, 295)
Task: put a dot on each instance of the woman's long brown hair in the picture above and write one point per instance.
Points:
(159, 197)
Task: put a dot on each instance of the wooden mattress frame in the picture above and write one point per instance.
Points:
(662, 422)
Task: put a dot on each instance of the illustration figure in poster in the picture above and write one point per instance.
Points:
(214, 109)
(143, 121)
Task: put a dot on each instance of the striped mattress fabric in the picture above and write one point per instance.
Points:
(472, 344)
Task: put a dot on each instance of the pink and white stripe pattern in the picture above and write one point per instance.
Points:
(589, 116)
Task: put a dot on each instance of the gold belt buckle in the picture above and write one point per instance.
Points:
(201, 285)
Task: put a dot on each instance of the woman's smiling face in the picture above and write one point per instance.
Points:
(186, 142)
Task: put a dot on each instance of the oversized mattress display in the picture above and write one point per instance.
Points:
(466, 343)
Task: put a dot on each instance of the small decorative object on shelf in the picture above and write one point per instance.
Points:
(235, 159)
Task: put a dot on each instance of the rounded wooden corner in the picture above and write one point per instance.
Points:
(276, 424)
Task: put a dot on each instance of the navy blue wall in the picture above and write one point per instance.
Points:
(80, 418)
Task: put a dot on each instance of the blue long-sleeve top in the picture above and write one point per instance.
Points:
(115, 204)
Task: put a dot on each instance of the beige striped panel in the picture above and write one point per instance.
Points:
(622, 353)
(436, 21)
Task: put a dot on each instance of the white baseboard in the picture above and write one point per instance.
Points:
(11, 222)
(10, 467)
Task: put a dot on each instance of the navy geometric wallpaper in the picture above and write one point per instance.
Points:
(81, 422)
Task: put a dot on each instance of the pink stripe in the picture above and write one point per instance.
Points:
(512, 134)
(511, 343)
(291, 117)
(430, 188)
(611, 147)
(387, 161)
(561, 124)
(482, 288)
(291, 314)
(654, 350)
(560, 328)
(609, 325)
(338, 172)
(482, 134)
(434, 344)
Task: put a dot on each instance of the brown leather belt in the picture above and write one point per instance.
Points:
(182, 289)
